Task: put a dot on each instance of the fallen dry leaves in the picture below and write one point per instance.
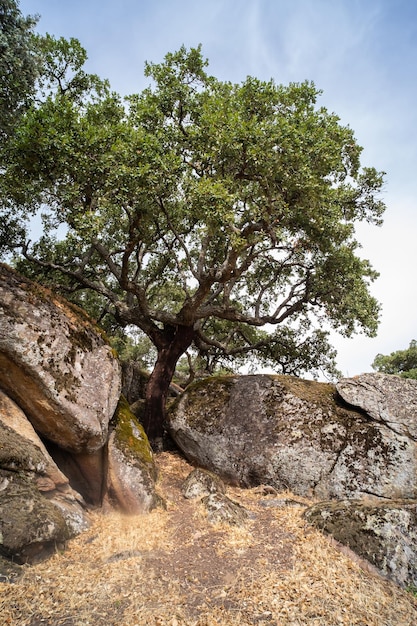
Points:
(172, 568)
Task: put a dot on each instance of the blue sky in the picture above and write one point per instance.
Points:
(361, 53)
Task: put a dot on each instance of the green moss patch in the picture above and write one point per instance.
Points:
(129, 434)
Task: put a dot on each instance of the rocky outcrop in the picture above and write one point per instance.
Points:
(38, 508)
(292, 434)
(385, 534)
(23, 452)
(62, 445)
(131, 472)
(389, 400)
(56, 365)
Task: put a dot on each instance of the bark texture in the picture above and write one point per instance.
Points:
(171, 343)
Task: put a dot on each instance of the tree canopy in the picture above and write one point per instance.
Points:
(401, 362)
(210, 215)
(18, 63)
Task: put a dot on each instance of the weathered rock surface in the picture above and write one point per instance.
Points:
(384, 534)
(134, 381)
(38, 508)
(291, 433)
(62, 447)
(131, 471)
(31, 454)
(30, 525)
(56, 365)
(200, 483)
(210, 490)
(22, 451)
(388, 399)
(221, 509)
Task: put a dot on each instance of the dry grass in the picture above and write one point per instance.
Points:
(171, 568)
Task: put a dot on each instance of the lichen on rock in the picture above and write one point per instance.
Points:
(131, 471)
(55, 363)
(291, 434)
(201, 483)
(32, 491)
(383, 533)
(30, 525)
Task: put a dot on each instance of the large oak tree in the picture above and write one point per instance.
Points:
(207, 214)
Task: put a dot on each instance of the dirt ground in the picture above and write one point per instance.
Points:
(173, 568)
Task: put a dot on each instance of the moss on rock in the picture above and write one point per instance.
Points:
(130, 435)
(132, 473)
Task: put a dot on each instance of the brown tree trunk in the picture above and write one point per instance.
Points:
(172, 343)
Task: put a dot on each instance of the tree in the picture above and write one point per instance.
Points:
(18, 64)
(53, 69)
(210, 215)
(401, 362)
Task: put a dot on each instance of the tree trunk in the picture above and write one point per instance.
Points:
(172, 343)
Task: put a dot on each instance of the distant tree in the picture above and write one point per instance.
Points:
(401, 362)
(214, 217)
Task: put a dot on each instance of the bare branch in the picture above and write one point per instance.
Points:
(178, 238)
(96, 285)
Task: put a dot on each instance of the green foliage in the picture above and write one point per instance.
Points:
(225, 208)
(61, 70)
(412, 589)
(19, 69)
(402, 362)
(18, 64)
(133, 345)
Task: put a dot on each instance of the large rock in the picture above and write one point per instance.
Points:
(385, 533)
(56, 365)
(131, 471)
(291, 433)
(30, 525)
(134, 381)
(38, 508)
(22, 451)
(388, 399)
(21, 447)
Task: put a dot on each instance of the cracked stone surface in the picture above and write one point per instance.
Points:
(385, 534)
(388, 399)
(55, 365)
(292, 434)
(38, 508)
